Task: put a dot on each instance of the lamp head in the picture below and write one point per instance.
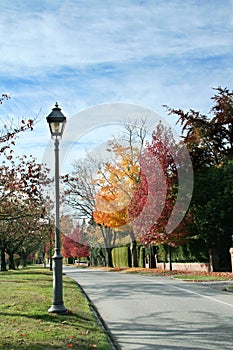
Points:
(56, 120)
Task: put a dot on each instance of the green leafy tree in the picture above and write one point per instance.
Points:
(209, 138)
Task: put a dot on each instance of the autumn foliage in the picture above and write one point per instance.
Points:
(117, 183)
(138, 189)
(74, 245)
(146, 191)
(22, 202)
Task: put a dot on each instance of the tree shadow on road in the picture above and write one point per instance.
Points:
(167, 333)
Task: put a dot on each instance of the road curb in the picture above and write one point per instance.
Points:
(110, 337)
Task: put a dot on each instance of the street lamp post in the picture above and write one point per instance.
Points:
(56, 121)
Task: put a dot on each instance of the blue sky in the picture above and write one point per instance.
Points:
(83, 53)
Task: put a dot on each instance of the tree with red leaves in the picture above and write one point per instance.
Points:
(153, 204)
(139, 188)
(74, 245)
(22, 205)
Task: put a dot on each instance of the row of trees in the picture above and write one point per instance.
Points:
(23, 207)
(133, 196)
(141, 194)
(26, 219)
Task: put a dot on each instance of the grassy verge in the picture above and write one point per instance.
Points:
(25, 296)
(202, 278)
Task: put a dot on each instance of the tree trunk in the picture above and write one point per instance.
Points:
(142, 257)
(170, 257)
(44, 256)
(11, 261)
(213, 260)
(3, 260)
(108, 257)
(152, 262)
(24, 260)
(133, 250)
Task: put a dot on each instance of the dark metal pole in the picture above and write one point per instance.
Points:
(57, 305)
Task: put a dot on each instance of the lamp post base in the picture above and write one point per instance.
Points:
(57, 309)
(57, 303)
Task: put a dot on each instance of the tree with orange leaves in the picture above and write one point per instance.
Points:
(117, 183)
(139, 189)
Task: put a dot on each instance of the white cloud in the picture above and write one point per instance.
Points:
(81, 33)
(84, 53)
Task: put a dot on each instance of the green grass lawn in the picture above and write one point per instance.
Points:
(26, 295)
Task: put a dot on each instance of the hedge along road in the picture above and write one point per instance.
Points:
(153, 312)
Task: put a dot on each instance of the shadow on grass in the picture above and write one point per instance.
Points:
(53, 318)
(47, 346)
(25, 272)
(76, 323)
(29, 346)
(79, 322)
(28, 273)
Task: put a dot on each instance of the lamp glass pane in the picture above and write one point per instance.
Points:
(56, 128)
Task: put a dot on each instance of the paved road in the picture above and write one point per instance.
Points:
(159, 313)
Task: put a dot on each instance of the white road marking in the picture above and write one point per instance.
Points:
(200, 295)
